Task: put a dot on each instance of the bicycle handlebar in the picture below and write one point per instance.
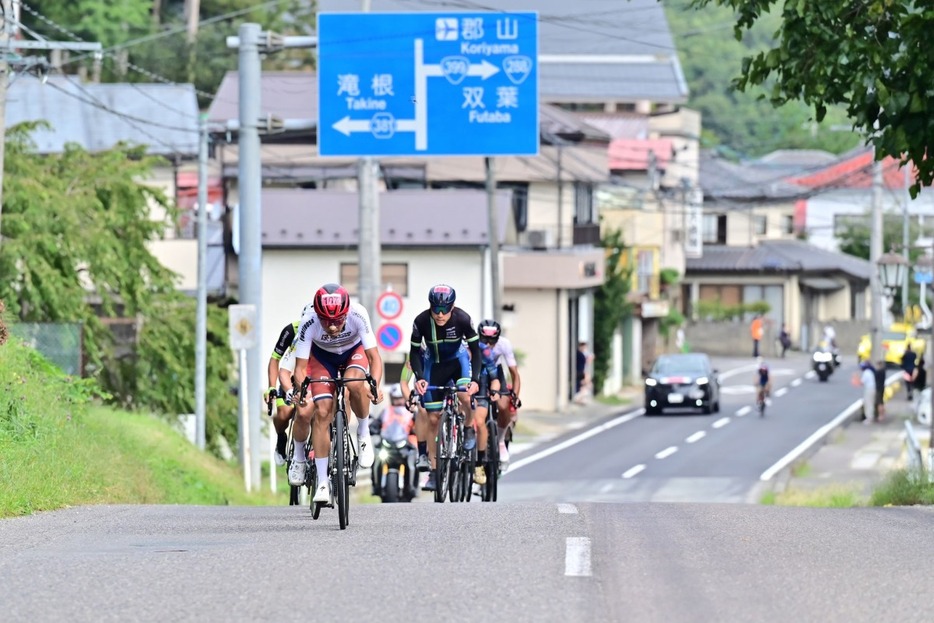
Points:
(340, 382)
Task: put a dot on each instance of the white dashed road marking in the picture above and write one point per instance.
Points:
(696, 436)
(743, 411)
(577, 557)
(721, 422)
(632, 471)
(781, 391)
(567, 509)
(666, 452)
(811, 374)
(796, 382)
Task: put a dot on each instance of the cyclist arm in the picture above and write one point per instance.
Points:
(516, 383)
(376, 371)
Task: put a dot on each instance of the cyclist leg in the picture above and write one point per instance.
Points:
(358, 368)
(300, 432)
(437, 374)
(322, 364)
(481, 410)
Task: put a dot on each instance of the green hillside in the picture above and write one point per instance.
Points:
(743, 122)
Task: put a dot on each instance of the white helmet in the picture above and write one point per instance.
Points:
(395, 391)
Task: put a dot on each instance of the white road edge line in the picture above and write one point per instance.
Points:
(817, 436)
(632, 471)
(721, 422)
(626, 417)
(664, 454)
(796, 382)
(696, 436)
(781, 391)
(743, 411)
(810, 374)
(577, 557)
(567, 509)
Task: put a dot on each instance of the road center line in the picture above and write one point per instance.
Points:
(666, 452)
(721, 422)
(743, 411)
(781, 391)
(632, 471)
(567, 509)
(810, 374)
(696, 436)
(577, 557)
(796, 382)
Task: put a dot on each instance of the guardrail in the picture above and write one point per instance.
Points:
(915, 462)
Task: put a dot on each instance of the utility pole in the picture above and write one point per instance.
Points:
(8, 43)
(369, 244)
(493, 237)
(905, 241)
(251, 43)
(875, 252)
(201, 316)
(192, 14)
(5, 49)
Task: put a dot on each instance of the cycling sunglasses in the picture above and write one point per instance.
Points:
(441, 309)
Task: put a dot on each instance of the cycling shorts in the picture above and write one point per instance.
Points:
(323, 364)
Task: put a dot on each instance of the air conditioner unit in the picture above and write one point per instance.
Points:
(539, 238)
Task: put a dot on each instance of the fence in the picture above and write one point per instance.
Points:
(60, 343)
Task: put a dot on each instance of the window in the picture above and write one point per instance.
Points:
(395, 275)
(788, 224)
(583, 204)
(645, 262)
(715, 229)
(761, 224)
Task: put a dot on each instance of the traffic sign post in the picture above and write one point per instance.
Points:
(389, 305)
(389, 336)
(429, 84)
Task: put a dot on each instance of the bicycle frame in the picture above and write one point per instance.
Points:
(342, 459)
(453, 465)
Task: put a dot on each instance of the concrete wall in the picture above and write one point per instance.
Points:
(733, 338)
(536, 330)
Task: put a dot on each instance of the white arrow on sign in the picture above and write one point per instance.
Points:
(347, 125)
(484, 69)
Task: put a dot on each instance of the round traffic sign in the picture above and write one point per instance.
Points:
(389, 336)
(389, 305)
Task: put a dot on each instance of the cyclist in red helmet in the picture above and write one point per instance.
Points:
(337, 334)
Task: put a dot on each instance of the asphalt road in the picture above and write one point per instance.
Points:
(683, 456)
(468, 562)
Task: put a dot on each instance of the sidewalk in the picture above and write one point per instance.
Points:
(857, 457)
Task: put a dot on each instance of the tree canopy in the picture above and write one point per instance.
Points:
(869, 56)
(76, 228)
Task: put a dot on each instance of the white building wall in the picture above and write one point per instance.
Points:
(535, 333)
(291, 277)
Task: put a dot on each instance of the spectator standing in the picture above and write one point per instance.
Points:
(909, 360)
(868, 381)
(784, 338)
(880, 390)
(921, 375)
(755, 329)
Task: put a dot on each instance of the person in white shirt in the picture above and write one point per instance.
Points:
(337, 335)
(867, 379)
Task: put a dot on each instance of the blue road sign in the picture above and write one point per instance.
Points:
(389, 336)
(923, 276)
(427, 84)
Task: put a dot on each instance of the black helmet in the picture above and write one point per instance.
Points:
(441, 298)
(489, 330)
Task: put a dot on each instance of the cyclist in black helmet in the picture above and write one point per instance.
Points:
(443, 328)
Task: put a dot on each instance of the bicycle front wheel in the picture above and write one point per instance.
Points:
(443, 451)
(492, 462)
(340, 479)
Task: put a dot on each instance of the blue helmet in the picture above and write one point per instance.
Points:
(441, 298)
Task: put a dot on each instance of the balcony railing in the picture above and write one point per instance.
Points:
(587, 234)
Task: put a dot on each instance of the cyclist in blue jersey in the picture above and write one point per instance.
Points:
(443, 328)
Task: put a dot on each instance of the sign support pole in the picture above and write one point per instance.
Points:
(245, 421)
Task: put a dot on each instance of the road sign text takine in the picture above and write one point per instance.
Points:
(428, 84)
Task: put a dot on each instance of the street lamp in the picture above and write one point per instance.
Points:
(892, 271)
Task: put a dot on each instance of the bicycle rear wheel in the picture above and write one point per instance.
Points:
(340, 479)
(312, 481)
(442, 457)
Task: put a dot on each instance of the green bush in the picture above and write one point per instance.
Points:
(669, 276)
(900, 489)
(717, 311)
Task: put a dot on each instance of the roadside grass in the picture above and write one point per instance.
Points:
(57, 448)
(801, 470)
(614, 400)
(900, 489)
(831, 496)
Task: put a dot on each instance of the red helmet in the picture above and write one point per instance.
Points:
(332, 303)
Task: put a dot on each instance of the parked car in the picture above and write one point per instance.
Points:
(893, 344)
(683, 380)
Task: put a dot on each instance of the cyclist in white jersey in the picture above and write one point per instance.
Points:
(337, 335)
